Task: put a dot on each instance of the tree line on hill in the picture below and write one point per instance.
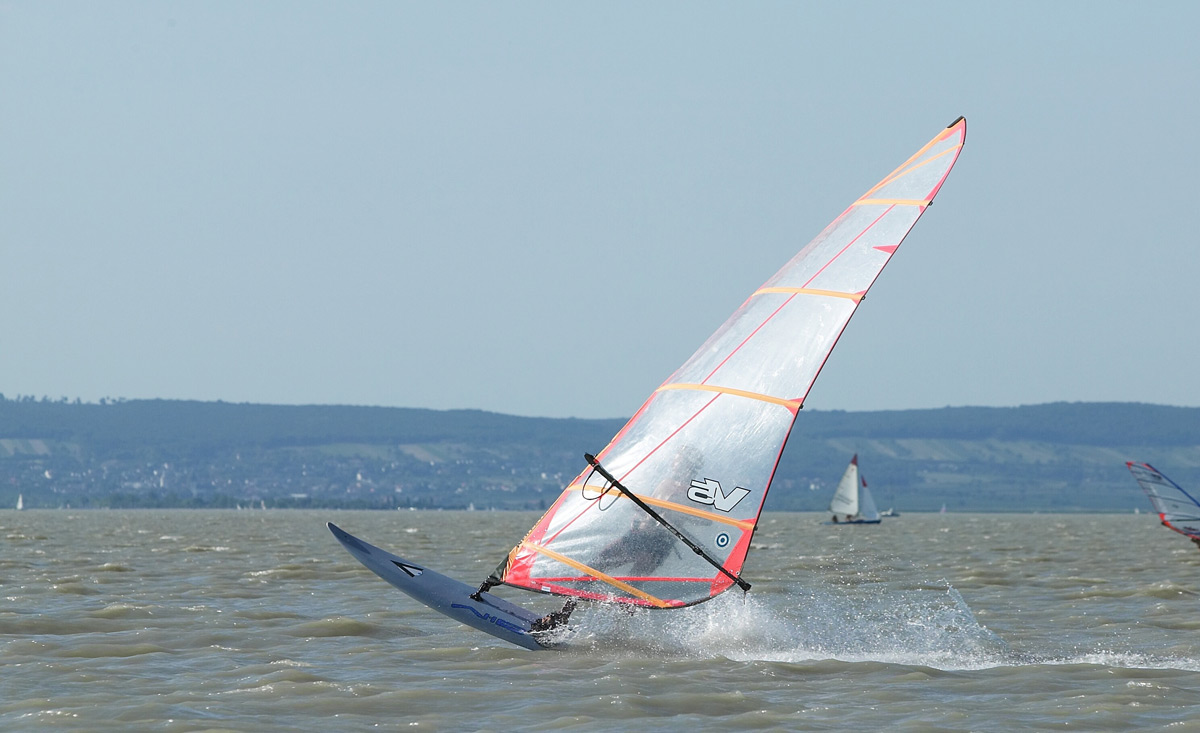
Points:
(166, 453)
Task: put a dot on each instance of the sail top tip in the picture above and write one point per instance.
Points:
(961, 118)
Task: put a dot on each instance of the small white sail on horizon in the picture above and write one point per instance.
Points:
(20, 502)
(852, 499)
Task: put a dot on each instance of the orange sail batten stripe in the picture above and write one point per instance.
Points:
(657, 602)
(856, 297)
(792, 405)
(581, 578)
(892, 202)
(743, 524)
(905, 169)
(940, 137)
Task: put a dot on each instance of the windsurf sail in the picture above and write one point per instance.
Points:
(703, 448)
(852, 499)
(1177, 509)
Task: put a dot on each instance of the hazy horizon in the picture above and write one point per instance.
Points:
(63, 399)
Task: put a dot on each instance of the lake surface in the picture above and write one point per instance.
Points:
(259, 621)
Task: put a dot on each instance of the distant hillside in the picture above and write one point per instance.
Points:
(1055, 457)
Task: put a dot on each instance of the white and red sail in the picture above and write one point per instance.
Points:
(702, 450)
(1176, 508)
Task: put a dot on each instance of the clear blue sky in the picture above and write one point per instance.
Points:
(544, 208)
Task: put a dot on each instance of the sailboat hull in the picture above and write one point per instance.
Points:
(492, 615)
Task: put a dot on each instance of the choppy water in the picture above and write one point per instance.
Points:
(252, 621)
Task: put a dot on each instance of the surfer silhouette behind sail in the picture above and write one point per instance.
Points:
(648, 544)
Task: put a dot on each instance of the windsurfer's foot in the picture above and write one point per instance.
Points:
(554, 619)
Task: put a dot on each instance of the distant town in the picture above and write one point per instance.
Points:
(1065, 457)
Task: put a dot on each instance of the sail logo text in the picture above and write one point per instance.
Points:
(709, 492)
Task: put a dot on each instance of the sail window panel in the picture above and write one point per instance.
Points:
(648, 592)
(944, 150)
(687, 436)
(648, 550)
(676, 592)
(681, 438)
(858, 265)
(920, 177)
(662, 593)
(618, 541)
(593, 524)
(646, 557)
(917, 182)
(848, 260)
(775, 345)
(545, 567)
(577, 509)
(824, 250)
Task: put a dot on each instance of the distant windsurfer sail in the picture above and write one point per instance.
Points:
(1177, 509)
(663, 516)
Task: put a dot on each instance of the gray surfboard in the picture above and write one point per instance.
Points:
(492, 615)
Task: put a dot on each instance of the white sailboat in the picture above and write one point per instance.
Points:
(20, 502)
(852, 501)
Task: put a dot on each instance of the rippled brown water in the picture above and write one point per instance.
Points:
(248, 621)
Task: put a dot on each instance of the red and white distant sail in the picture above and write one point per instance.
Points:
(1176, 508)
(702, 450)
